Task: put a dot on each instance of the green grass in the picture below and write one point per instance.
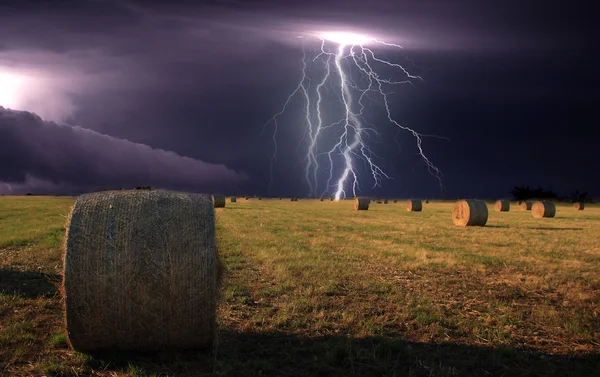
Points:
(315, 288)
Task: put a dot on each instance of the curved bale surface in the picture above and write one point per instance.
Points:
(141, 271)
(470, 213)
(361, 204)
(218, 201)
(233, 199)
(579, 206)
(543, 209)
(526, 205)
(502, 206)
(414, 205)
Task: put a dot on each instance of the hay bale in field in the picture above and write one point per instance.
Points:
(259, 198)
(385, 201)
(395, 201)
(502, 206)
(247, 198)
(543, 209)
(414, 205)
(218, 201)
(331, 199)
(426, 201)
(526, 205)
(361, 203)
(141, 271)
(579, 206)
(321, 199)
(470, 213)
(233, 199)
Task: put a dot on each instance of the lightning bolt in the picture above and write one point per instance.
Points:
(350, 132)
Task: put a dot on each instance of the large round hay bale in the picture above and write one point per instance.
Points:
(543, 209)
(361, 204)
(218, 201)
(579, 206)
(385, 201)
(526, 205)
(141, 271)
(470, 213)
(233, 199)
(502, 206)
(414, 205)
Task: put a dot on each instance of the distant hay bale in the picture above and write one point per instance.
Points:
(218, 201)
(414, 205)
(259, 198)
(331, 199)
(233, 199)
(426, 201)
(321, 199)
(385, 201)
(579, 206)
(470, 213)
(395, 201)
(141, 271)
(526, 205)
(543, 209)
(247, 198)
(361, 204)
(502, 206)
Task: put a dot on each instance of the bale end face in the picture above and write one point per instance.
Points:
(543, 209)
(502, 206)
(136, 264)
(526, 205)
(414, 205)
(470, 213)
(361, 204)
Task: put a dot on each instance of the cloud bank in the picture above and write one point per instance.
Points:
(57, 158)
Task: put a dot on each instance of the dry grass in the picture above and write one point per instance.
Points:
(315, 288)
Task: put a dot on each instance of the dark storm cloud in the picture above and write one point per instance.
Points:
(201, 78)
(48, 155)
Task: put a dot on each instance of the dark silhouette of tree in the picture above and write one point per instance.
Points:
(521, 193)
(577, 196)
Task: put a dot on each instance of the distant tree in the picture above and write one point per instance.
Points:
(521, 193)
(577, 196)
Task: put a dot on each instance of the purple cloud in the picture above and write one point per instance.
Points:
(60, 157)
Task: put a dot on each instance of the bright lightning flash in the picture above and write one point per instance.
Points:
(349, 69)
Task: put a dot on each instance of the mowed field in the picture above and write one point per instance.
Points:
(316, 288)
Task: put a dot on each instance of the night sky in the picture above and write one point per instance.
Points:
(176, 94)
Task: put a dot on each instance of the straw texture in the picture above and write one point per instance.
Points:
(140, 271)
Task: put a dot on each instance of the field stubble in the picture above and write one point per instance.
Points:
(317, 288)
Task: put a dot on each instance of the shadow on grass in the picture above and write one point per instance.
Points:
(497, 226)
(28, 284)
(279, 354)
(550, 228)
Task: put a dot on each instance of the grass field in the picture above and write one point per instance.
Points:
(316, 288)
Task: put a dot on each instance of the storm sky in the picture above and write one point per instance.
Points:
(176, 94)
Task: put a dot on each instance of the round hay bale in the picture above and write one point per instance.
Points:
(331, 199)
(395, 201)
(247, 198)
(502, 206)
(526, 205)
(414, 205)
(385, 201)
(426, 201)
(259, 198)
(218, 201)
(470, 213)
(579, 206)
(321, 199)
(543, 209)
(361, 204)
(233, 199)
(141, 271)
